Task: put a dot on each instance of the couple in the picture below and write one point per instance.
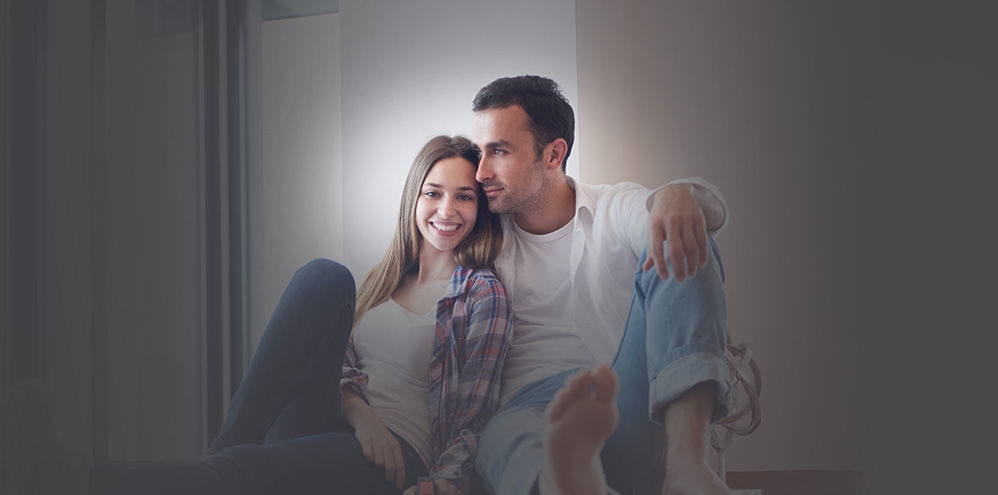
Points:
(417, 405)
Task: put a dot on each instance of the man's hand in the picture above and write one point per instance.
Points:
(442, 486)
(381, 448)
(676, 217)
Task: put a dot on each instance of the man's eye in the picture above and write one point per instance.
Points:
(498, 152)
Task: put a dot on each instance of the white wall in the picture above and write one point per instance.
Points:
(772, 102)
(410, 71)
(295, 188)
(394, 74)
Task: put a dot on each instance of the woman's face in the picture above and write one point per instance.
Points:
(447, 207)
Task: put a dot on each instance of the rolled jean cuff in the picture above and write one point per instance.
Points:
(682, 374)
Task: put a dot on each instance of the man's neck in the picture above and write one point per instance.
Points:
(556, 209)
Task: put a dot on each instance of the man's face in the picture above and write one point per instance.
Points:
(510, 171)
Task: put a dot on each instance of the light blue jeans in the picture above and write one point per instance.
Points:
(674, 338)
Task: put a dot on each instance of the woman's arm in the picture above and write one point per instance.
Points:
(471, 394)
(378, 444)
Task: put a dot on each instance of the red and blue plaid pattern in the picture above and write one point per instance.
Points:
(473, 333)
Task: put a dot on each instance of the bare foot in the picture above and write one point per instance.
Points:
(692, 478)
(581, 417)
(687, 469)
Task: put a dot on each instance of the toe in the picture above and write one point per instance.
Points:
(604, 383)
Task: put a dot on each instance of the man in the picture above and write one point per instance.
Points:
(569, 259)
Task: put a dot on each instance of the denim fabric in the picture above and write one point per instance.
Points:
(674, 338)
(291, 386)
(283, 432)
(510, 452)
(325, 463)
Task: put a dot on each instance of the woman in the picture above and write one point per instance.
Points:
(421, 358)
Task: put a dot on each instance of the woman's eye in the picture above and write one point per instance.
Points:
(431, 194)
(467, 197)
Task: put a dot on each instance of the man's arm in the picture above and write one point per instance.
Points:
(682, 212)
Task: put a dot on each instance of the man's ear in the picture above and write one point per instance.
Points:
(554, 153)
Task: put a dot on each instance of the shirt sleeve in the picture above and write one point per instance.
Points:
(480, 361)
(708, 196)
(350, 375)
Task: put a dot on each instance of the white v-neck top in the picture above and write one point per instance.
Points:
(393, 347)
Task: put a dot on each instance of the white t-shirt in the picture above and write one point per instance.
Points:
(543, 318)
(579, 279)
(393, 347)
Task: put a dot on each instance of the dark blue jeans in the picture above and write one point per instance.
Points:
(284, 431)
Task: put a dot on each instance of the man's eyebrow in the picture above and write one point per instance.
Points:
(502, 143)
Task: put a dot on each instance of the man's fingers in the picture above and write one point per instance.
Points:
(656, 254)
(700, 232)
(692, 251)
(677, 252)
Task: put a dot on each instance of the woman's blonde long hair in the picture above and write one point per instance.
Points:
(478, 250)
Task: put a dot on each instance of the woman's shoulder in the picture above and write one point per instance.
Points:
(485, 292)
(483, 273)
(480, 278)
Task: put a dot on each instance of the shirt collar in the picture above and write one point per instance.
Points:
(458, 281)
(585, 203)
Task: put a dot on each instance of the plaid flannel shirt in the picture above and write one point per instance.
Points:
(473, 332)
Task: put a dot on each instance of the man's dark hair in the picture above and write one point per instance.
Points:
(551, 117)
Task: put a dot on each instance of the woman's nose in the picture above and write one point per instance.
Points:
(446, 207)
